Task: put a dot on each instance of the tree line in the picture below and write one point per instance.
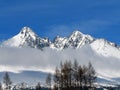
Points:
(74, 76)
(68, 76)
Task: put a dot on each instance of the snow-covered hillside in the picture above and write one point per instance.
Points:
(105, 48)
(15, 57)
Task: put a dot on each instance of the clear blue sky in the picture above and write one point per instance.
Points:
(48, 18)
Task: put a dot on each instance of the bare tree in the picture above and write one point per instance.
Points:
(66, 73)
(75, 74)
(1, 87)
(91, 75)
(57, 79)
(61, 75)
(80, 76)
(85, 76)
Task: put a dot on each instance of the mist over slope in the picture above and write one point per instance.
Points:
(26, 51)
(20, 59)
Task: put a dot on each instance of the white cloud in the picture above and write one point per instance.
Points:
(19, 59)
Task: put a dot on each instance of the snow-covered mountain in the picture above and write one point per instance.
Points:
(104, 55)
(75, 40)
(27, 38)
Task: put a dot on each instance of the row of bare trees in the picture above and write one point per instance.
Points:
(8, 84)
(69, 76)
(74, 76)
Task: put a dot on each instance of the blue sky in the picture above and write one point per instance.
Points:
(48, 18)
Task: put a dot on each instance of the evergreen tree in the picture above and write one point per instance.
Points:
(23, 86)
(7, 81)
(38, 86)
(48, 81)
(55, 87)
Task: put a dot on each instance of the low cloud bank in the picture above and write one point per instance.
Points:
(20, 59)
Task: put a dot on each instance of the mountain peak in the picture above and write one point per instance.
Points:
(25, 30)
(77, 32)
(26, 38)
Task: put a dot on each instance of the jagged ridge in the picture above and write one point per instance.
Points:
(27, 38)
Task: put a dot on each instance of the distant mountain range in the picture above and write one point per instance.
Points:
(104, 55)
(27, 38)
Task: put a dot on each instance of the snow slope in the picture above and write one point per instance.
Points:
(104, 55)
(105, 48)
